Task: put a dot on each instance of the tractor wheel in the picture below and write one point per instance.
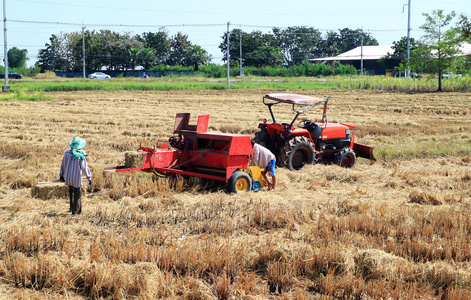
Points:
(262, 138)
(256, 185)
(239, 182)
(346, 158)
(296, 153)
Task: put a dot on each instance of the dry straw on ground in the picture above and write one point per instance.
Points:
(396, 229)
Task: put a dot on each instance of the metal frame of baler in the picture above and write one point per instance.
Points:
(183, 128)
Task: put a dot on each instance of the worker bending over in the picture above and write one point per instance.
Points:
(266, 160)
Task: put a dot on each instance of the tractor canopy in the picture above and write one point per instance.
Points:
(294, 99)
(297, 102)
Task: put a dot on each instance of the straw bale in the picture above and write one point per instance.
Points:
(133, 159)
(50, 190)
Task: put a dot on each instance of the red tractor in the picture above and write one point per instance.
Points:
(311, 142)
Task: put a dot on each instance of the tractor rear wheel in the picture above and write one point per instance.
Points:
(346, 158)
(296, 152)
(239, 182)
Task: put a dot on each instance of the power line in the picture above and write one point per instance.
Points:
(184, 25)
(232, 13)
(112, 25)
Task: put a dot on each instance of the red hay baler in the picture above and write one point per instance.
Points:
(197, 152)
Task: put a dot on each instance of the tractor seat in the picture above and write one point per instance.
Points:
(315, 130)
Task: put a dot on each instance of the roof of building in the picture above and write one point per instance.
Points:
(375, 53)
(466, 49)
(369, 53)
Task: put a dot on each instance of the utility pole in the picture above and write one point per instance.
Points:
(227, 54)
(361, 56)
(6, 87)
(83, 46)
(240, 56)
(408, 41)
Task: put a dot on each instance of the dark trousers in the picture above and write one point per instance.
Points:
(75, 202)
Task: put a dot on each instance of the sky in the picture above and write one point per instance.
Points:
(30, 23)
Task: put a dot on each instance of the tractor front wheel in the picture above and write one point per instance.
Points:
(239, 182)
(346, 158)
(297, 152)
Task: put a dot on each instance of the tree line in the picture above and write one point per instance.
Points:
(116, 51)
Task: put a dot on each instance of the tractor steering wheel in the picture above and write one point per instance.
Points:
(304, 123)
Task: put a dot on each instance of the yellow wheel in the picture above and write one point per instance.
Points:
(239, 183)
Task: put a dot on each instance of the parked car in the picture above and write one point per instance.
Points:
(12, 75)
(415, 75)
(99, 75)
(450, 75)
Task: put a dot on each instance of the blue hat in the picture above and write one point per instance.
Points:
(77, 143)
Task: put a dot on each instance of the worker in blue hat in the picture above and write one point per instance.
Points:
(73, 164)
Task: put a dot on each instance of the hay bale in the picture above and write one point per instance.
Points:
(134, 159)
(52, 189)
(48, 190)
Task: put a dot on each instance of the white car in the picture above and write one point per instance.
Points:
(99, 75)
(450, 75)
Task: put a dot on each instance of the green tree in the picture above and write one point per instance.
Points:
(266, 56)
(465, 28)
(400, 48)
(253, 42)
(440, 46)
(198, 57)
(180, 50)
(116, 50)
(74, 51)
(298, 43)
(249, 41)
(235, 36)
(144, 57)
(398, 58)
(159, 42)
(93, 51)
(349, 39)
(17, 58)
(53, 57)
(330, 45)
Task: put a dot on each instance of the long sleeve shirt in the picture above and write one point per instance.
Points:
(262, 156)
(71, 170)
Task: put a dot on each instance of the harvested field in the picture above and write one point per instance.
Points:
(399, 228)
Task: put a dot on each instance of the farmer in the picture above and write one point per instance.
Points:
(263, 158)
(73, 163)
